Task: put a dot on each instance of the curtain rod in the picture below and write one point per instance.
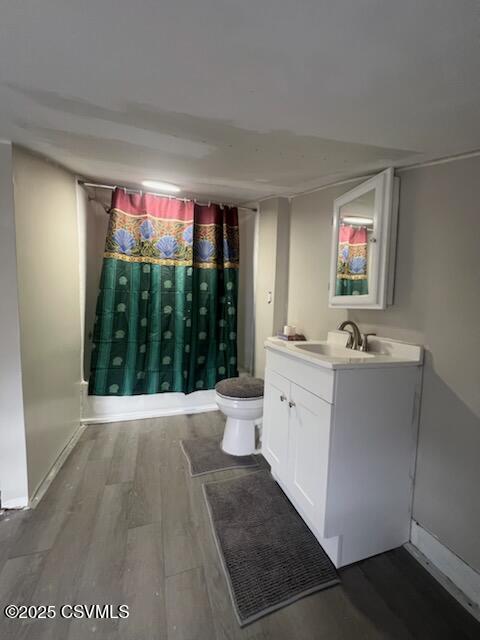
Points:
(112, 187)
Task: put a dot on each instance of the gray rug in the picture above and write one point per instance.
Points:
(269, 555)
(204, 455)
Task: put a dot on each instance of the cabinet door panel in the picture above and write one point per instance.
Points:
(309, 440)
(275, 422)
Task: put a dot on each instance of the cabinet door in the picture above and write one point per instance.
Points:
(275, 422)
(309, 440)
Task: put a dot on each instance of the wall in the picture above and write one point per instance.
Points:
(13, 459)
(272, 274)
(247, 221)
(310, 237)
(92, 243)
(280, 294)
(49, 302)
(82, 222)
(437, 304)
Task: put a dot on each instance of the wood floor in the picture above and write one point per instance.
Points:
(123, 523)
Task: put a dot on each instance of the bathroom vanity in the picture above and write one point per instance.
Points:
(340, 434)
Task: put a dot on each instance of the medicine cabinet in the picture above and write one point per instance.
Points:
(363, 244)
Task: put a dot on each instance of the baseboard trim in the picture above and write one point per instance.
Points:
(143, 415)
(55, 468)
(455, 575)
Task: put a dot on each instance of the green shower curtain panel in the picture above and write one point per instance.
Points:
(167, 307)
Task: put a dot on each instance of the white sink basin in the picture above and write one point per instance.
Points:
(331, 351)
(333, 354)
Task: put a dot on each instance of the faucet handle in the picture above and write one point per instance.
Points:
(349, 344)
(364, 346)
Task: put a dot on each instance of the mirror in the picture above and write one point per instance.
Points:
(355, 232)
(363, 244)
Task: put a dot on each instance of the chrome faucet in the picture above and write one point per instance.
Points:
(355, 338)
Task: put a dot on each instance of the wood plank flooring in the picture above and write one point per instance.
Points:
(123, 523)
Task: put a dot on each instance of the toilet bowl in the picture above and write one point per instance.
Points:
(241, 400)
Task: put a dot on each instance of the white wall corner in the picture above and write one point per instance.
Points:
(453, 573)
(13, 454)
(271, 269)
(82, 201)
(280, 314)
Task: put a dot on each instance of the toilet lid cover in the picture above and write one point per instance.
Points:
(243, 387)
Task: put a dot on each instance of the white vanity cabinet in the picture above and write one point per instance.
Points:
(341, 443)
(297, 448)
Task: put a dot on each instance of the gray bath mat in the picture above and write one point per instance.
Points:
(205, 455)
(269, 555)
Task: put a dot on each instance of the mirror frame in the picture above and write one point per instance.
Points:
(382, 245)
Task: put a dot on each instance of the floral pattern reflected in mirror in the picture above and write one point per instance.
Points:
(354, 234)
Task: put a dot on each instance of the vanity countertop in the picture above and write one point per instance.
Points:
(333, 354)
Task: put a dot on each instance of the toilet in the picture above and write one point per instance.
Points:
(241, 400)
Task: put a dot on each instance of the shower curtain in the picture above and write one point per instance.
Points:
(352, 277)
(167, 306)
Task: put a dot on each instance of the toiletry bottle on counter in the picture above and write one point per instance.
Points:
(289, 330)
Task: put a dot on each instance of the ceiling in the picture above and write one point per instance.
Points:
(240, 99)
